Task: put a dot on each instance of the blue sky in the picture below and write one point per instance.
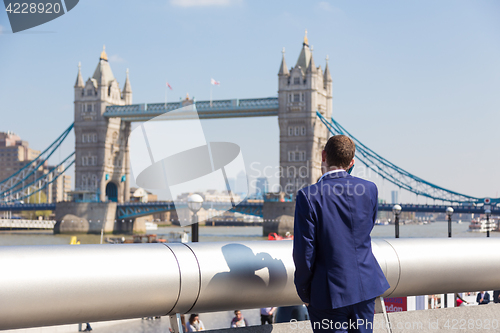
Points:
(418, 82)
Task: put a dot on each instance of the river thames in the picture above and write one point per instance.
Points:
(229, 234)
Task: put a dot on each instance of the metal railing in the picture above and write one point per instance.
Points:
(63, 284)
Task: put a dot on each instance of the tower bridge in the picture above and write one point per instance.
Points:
(102, 123)
(103, 115)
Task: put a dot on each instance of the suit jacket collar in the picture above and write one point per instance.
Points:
(333, 175)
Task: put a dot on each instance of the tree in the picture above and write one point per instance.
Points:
(39, 197)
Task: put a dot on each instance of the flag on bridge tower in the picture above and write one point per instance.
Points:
(170, 87)
(213, 83)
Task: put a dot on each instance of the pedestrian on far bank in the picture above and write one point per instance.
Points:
(460, 300)
(483, 298)
(238, 320)
(195, 324)
(496, 296)
(266, 315)
(183, 323)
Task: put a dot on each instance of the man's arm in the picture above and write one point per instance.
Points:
(375, 209)
(304, 251)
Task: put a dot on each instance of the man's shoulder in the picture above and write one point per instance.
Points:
(308, 189)
(315, 189)
(309, 192)
(366, 183)
(363, 181)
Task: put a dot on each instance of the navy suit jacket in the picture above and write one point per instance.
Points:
(334, 263)
(486, 298)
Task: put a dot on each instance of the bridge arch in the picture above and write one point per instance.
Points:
(112, 192)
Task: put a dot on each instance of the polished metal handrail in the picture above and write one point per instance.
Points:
(63, 284)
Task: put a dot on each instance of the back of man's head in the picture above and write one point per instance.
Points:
(340, 151)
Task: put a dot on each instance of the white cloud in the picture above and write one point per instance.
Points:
(327, 7)
(116, 58)
(202, 3)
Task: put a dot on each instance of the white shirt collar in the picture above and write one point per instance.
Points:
(330, 172)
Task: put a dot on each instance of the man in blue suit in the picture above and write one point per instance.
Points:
(336, 274)
(483, 298)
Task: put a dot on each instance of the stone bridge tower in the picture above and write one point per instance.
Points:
(303, 90)
(102, 168)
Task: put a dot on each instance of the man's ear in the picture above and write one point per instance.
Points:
(323, 156)
(351, 164)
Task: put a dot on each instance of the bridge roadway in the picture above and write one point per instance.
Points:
(26, 224)
(130, 210)
(230, 108)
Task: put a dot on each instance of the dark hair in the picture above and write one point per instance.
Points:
(191, 317)
(236, 311)
(339, 151)
(183, 320)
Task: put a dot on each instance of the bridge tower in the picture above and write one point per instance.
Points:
(303, 90)
(102, 168)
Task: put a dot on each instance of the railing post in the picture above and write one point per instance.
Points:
(176, 323)
(380, 308)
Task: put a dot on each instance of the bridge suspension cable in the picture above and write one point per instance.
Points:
(39, 183)
(21, 183)
(398, 176)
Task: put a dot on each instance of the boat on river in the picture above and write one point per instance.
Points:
(482, 225)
